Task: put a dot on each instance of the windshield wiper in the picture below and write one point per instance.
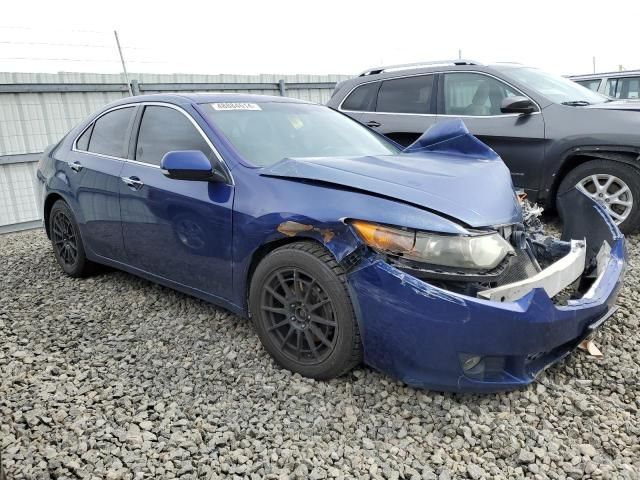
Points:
(576, 103)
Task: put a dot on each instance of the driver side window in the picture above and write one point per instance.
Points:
(164, 129)
(474, 94)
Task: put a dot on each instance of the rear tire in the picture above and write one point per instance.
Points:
(67, 243)
(615, 185)
(302, 311)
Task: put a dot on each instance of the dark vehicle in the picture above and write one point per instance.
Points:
(552, 133)
(340, 245)
(615, 85)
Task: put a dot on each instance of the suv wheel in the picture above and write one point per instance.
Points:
(302, 311)
(615, 185)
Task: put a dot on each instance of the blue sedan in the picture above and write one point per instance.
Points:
(340, 245)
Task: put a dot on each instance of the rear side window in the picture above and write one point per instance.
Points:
(164, 129)
(363, 98)
(590, 84)
(83, 141)
(624, 87)
(110, 133)
(406, 95)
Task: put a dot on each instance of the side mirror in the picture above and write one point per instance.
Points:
(188, 165)
(517, 104)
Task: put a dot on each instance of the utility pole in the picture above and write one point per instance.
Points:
(594, 64)
(459, 54)
(124, 67)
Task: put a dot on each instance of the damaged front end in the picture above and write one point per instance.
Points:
(454, 282)
(473, 329)
(564, 268)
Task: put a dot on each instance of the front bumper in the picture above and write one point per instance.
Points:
(421, 334)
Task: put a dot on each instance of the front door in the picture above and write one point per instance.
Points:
(179, 230)
(476, 98)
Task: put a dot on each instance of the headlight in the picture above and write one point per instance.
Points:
(479, 252)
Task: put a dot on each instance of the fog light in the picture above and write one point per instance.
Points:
(469, 362)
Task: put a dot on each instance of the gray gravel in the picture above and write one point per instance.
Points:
(114, 377)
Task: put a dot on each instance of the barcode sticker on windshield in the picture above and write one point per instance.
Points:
(235, 106)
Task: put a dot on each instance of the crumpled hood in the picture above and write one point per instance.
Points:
(473, 187)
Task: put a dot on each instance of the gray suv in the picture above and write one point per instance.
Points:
(552, 133)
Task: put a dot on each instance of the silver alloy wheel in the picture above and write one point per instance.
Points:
(610, 192)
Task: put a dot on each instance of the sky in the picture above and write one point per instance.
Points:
(313, 37)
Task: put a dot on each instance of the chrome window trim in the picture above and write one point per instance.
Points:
(442, 114)
(136, 162)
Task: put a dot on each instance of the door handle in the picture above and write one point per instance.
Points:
(133, 182)
(76, 166)
(373, 124)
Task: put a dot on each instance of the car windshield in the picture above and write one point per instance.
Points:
(267, 132)
(556, 88)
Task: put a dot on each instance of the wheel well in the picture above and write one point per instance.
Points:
(576, 158)
(264, 250)
(48, 205)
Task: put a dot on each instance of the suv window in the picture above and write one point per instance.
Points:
(405, 95)
(363, 98)
(628, 87)
(590, 84)
(109, 133)
(474, 94)
(164, 129)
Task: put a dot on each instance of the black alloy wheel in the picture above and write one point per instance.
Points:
(63, 237)
(302, 311)
(300, 314)
(67, 243)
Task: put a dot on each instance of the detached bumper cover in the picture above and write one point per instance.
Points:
(420, 333)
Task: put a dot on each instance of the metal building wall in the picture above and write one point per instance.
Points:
(34, 115)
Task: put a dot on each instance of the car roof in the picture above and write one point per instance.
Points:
(189, 97)
(391, 71)
(595, 76)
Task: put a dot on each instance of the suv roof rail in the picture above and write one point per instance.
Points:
(407, 66)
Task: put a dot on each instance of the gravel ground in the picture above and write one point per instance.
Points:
(114, 377)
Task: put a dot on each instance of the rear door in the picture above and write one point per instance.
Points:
(476, 98)
(179, 230)
(400, 108)
(404, 108)
(95, 162)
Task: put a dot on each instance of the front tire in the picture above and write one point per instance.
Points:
(68, 247)
(302, 311)
(615, 185)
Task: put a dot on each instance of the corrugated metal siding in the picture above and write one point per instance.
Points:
(31, 121)
(17, 193)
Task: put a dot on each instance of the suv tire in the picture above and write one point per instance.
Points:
(604, 180)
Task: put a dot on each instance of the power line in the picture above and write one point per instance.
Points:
(53, 44)
(43, 59)
(12, 27)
